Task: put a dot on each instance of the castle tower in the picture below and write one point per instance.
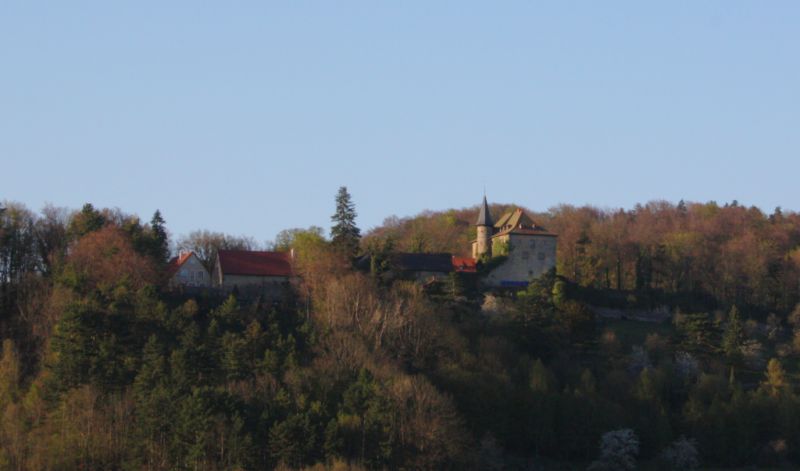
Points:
(485, 226)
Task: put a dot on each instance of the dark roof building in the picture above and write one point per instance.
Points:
(423, 262)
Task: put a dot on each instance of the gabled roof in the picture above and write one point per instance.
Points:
(514, 218)
(465, 264)
(484, 216)
(531, 232)
(518, 222)
(176, 262)
(436, 262)
(254, 263)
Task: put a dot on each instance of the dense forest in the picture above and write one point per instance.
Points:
(104, 368)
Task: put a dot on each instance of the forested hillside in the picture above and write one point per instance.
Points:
(103, 368)
(688, 253)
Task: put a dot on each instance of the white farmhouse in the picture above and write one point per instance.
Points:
(187, 270)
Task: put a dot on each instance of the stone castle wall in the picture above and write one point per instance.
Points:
(529, 256)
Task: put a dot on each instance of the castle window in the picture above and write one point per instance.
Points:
(526, 255)
(541, 255)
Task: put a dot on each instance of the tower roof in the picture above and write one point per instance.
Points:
(484, 217)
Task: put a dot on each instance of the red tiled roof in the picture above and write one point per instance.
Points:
(176, 262)
(465, 264)
(245, 262)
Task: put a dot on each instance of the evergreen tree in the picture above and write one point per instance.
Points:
(160, 249)
(733, 338)
(682, 207)
(86, 221)
(293, 442)
(151, 391)
(74, 348)
(345, 235)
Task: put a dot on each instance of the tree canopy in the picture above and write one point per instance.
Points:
(103, 366)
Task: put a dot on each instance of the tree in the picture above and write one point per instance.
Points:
(733, 338)
(85, 221)
(360, 402)
(540, 377)
(286, 239)
(618, 450)
(106, 261)
(160, 241)
(9, 374)
(74, 347)
(681, 207)
(293, 441)
(345, 235)
(151, 391)
(379, 250)
(681, 454)
(775, 382)
(18, 254)
(51, 237)
(315, 262)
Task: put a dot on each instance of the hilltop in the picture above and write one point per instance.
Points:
(105, 367)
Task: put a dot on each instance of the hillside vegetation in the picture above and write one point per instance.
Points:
(103, 368)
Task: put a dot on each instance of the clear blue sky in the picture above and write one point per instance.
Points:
(246, 117)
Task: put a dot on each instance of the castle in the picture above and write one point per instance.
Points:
(529, 250)
(514, 250)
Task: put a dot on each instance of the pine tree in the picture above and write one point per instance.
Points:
(160, 250)
(74, 347)
(152, 390)
(344, 232)
(86, 221)
(682, 207)
(733, 338)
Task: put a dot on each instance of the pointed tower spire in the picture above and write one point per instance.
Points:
(484, 217)
(482, 246)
